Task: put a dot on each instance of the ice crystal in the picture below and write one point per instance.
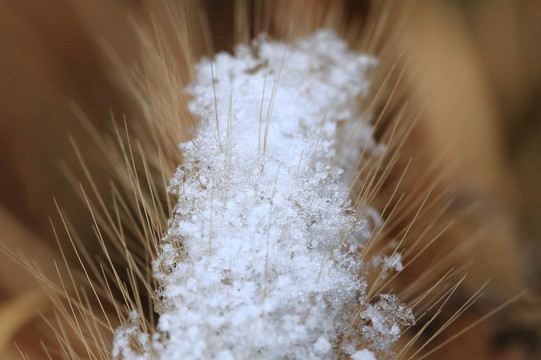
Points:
(384, 322)
(269, 265)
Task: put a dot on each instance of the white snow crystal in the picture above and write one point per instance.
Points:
(363, 355)
(270, 242)
(393, 262)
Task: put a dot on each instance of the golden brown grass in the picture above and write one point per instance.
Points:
(119, 165)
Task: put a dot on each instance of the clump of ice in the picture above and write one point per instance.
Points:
(363, 355)
(269, 264)
(385, 320)
(393, 262)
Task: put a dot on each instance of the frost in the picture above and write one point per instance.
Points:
(393, 262)
(270, 264)
(363, 355)
(130, 343)
(384, 321)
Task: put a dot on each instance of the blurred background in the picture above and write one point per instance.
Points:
(475, 65)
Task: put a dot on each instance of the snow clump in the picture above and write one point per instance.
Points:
(261, 259)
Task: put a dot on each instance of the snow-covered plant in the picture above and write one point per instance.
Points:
(262, 258)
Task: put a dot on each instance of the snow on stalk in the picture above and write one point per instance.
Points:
(261, 259)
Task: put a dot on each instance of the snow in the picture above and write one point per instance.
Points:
(363, 355)
(269, 263)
